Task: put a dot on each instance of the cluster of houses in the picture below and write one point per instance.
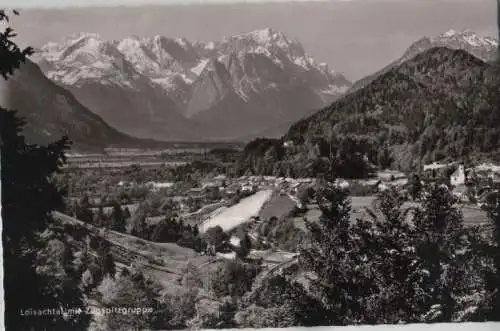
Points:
(468, 182)
(385, 179)
(252, 183)
(152, 186)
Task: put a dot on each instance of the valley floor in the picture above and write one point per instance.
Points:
(270, 211)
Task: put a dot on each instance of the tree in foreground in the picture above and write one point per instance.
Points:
(279, 301)
(233, 278)
(390, 246)
(245, 247)
(215, 236)
(28, 198)
(415, 187)
(425, 261)
(139, 226)
(84, 211)
(117, 218)
(491, 249)
(441, 244)
(341, 271)
(400, 266)
(130, 289)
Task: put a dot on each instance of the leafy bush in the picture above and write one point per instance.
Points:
(234, 278)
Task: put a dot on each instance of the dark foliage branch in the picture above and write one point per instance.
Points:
(11, 56)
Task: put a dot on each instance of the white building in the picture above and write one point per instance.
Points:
(247, 188)
(382, 187)
(437, 166)
(458, 177)
(156, 186)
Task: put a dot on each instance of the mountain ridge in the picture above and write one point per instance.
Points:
(254, 63)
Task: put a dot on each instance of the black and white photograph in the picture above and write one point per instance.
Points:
(260, 164)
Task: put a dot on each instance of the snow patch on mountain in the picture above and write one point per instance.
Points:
(335, 89)
(268, 36)
(265, 35)
(210, 45)
(183, 42)
(187, 79)
(468, 36)
(134, 52)
(450, 33)
(198, 69)
(262, 50)
(302, 62)
(483, 47)
(167, 83)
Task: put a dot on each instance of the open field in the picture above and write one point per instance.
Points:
(282, 206)
(210, 210)
(312, 214)
(86, 164)
(119, 158)
(240, 213)
(473, 215)
(279, 206)
(127, 159)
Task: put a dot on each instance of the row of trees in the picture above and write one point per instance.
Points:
(115, 220)
(170, 229)
(351, 157)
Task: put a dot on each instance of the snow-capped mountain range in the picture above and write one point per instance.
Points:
(165, 88)
(482, 47)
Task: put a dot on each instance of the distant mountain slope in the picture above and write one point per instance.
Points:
(51, 112)
(237, 118)
(163, 88)
(279, 130)
(442, 103)
(484, 48)
(104, 80)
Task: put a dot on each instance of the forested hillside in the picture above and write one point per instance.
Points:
(441, 104)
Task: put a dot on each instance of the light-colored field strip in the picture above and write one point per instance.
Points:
(239, 213)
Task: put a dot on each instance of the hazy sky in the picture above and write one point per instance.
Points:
(87, 3)
(355, 37)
